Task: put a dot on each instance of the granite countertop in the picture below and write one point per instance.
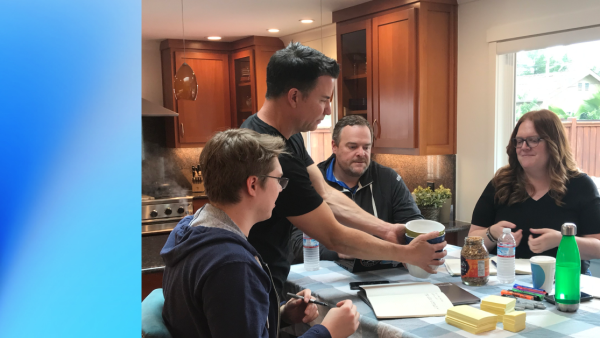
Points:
(456, 226)
(151, 246)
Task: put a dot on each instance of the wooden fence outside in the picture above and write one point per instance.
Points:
(320, 144)
(584, 137)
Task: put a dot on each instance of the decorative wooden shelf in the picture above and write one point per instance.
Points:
(355, 77)
(243, 84)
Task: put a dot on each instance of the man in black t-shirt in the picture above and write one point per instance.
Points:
(300, 84)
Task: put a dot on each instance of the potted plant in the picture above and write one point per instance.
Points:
(430, 202)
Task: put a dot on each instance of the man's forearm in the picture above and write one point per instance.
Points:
(355, 243)
(589, 248)
(350, 214)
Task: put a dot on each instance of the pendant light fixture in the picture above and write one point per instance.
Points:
(185, 85)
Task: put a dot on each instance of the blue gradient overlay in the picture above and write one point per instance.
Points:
(71, 168)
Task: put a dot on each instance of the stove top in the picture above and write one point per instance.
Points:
(161, 215)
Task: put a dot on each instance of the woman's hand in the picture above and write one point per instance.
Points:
(299, 310)
(496, 231)
(548, 239)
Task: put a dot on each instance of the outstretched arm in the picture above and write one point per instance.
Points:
(322, 225)
(350, 214)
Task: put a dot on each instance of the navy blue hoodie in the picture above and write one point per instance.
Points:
(215, 283)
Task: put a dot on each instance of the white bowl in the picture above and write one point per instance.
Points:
(416, 271)
(423, 226)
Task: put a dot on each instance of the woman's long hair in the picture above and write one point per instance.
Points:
(510, 181)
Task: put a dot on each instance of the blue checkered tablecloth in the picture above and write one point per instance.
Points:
(331, 284)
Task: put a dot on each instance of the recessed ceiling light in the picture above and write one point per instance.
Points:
(273, 30)
(307, 20)
(214, 38)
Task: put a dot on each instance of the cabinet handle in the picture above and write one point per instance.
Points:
(182, 130)
(374, 132)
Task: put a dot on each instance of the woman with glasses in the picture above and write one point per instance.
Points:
(540, 189)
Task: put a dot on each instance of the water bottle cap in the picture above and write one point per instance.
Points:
(569, 229)
(506, 231)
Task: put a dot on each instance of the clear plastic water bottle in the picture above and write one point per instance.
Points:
(506, 257)
(311, 253)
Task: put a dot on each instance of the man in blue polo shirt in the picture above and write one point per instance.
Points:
(377, 189)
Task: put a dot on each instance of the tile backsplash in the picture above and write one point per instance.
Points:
(164, 165)
(418, 170)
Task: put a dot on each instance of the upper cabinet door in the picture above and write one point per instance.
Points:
(355, 81)
(211, 111)
(395, 109)
(243, 86)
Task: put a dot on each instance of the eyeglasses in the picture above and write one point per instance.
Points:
(283, 181)
(531, 141)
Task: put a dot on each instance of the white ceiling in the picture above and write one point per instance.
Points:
(234, 19)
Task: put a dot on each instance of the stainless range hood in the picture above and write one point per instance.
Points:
(153, 109)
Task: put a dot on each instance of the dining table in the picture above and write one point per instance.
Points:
(330, 284)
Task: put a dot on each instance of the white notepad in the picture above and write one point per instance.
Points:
(522, 266)
(404, 300)
(590, 285)
(453, 267)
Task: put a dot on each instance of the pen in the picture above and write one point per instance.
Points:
(310, 301)
(510, 293)
(530, 289)
(536, 296)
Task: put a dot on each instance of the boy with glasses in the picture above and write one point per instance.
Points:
(215, 283)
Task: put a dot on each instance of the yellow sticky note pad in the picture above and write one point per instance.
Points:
(497, 302)
(471, 315)
(470, 328)
(471, 319)
(514, 321)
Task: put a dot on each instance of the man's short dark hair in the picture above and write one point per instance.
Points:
(297, 66)
(349, 120)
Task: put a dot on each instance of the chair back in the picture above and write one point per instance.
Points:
(153, 325)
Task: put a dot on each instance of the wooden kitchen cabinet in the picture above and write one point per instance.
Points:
(243, 88)
(354, 57)
(232, 83)
(250, 56)
(410, 75)
(211, 111)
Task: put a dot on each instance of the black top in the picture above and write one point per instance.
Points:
(379, 187)
(271, 237)
(581, 206)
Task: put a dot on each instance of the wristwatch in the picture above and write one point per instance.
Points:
(490, 236)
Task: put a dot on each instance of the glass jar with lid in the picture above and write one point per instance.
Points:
(474, 262)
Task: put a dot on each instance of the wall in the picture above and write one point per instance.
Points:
(162, 165)
(312, 39)
(476, 121)
(418, 170)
